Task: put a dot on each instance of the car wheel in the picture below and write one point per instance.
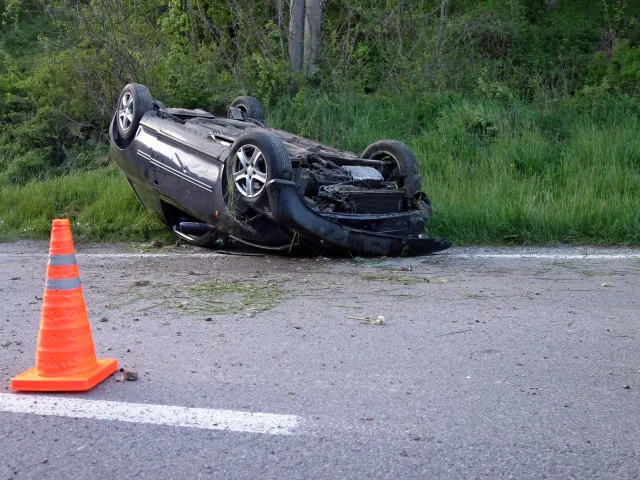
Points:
(255, 158)
(250, 107)
(402, 167)
(134, 101)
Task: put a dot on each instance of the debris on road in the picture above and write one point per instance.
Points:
(230, 297)
(122, 375)
(379, 320)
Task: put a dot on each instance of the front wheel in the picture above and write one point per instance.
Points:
(400, 164)
(255, 158)
(134, 101)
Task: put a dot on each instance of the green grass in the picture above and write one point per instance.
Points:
(99, 203)
(501, 173)
(497, 173)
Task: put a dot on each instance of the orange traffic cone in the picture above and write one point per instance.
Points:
(65, 357)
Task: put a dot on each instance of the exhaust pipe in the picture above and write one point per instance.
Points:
(194, 228)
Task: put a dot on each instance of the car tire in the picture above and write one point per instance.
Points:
(250, 107)
(254, 159)
(134, 101)
(404, 169)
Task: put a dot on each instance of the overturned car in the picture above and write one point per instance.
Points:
(216, 180)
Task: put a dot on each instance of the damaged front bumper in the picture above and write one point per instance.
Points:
(290, 210)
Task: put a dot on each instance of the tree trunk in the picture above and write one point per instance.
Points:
(443, 21)
(305, 29)
(296, 34)
(551, 5)
(312, 35)
(280, 14)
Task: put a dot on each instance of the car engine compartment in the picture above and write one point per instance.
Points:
(328, 187)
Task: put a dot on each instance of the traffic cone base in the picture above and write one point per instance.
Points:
(32, 382)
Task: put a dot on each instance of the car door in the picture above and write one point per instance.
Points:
(183, 176)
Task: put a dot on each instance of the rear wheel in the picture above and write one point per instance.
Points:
(255, 158)
(250, 107)
(134, 101)
(400, 165)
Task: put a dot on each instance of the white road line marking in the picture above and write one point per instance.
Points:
(122, 255)
(506, 256)
(206, 418)
(151, 255)
(548, 256)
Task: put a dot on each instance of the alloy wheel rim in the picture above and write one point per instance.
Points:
(249, 171)
(125, 112)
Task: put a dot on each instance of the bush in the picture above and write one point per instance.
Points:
(26, 167)
(624, 70)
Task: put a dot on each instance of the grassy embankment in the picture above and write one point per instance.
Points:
(100, 204)
(497, 172)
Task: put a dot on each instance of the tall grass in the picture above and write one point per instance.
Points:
(497, 172)
(100, 204)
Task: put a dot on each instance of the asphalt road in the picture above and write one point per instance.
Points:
(490, 364)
